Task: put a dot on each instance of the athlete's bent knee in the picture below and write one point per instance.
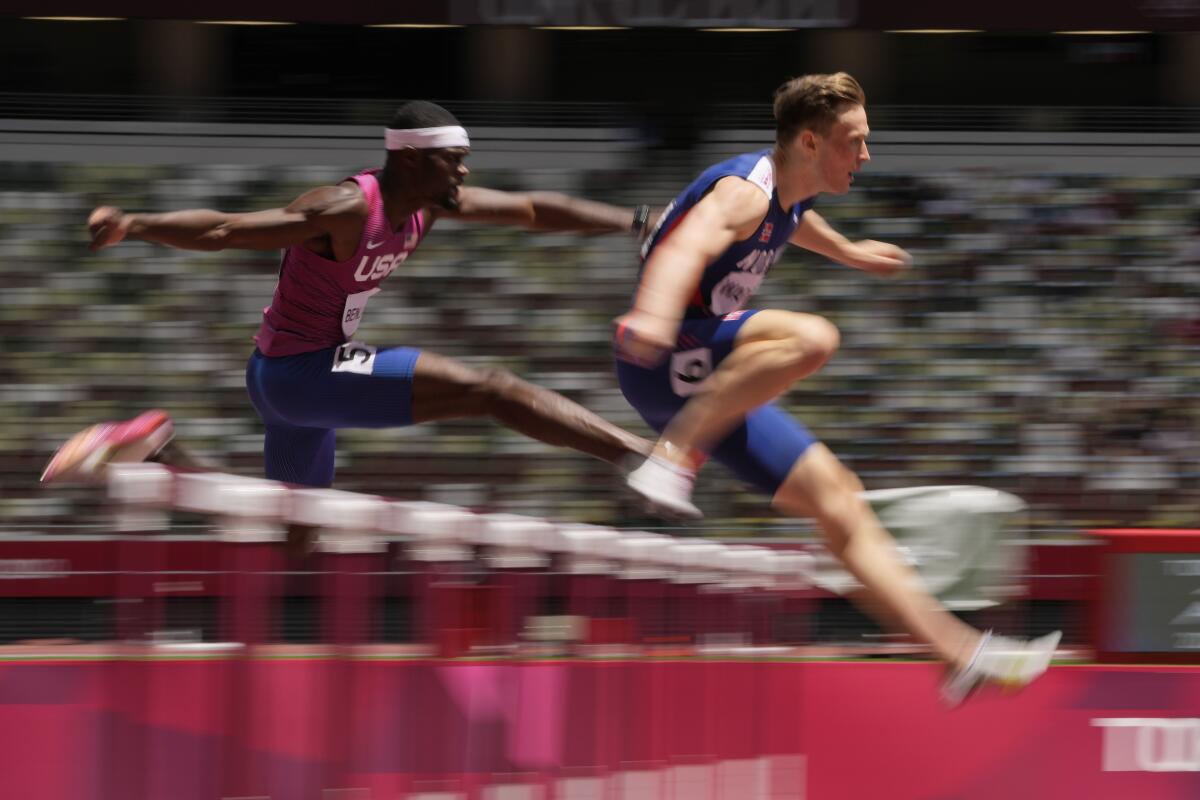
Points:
(812, 342)
(819, 339)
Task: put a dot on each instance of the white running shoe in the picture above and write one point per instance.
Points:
(665, 488)
(1003, 661)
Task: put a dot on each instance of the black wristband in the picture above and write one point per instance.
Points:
(641, 217)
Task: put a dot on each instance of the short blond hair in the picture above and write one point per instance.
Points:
(814, 102)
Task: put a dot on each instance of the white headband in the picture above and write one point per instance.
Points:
(426, 138)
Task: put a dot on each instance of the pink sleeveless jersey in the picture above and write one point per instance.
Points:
(318, 303)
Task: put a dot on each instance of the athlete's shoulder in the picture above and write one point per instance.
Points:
(338, 200)
(739, 189)
(755, 168)
(363, 186)
(737, 204)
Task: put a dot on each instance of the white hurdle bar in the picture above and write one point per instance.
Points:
(609, 586)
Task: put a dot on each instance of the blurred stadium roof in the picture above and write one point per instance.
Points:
(1016, 15)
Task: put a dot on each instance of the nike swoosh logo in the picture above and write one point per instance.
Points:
(373, 245)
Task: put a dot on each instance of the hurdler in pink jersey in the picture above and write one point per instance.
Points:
(319, 302)
(308, 376)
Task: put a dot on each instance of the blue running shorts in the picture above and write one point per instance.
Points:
(303, 399)
(763, 449)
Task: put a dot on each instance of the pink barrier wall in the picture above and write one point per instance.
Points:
(1080, 732)
(289, 728)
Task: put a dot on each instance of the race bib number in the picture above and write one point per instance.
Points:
(733, 291)
(689, 370)
(354, 357)
(352, 313)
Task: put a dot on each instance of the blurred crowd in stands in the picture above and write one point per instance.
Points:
(1046, 343)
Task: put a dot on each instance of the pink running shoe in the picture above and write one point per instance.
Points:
(85, 455)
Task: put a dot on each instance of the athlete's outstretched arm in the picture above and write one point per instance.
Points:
(336, 211)
(542, 211)
(728, 213)
(879, 258)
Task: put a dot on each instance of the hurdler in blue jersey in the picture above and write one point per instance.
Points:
(704, 370)
(766, 444)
